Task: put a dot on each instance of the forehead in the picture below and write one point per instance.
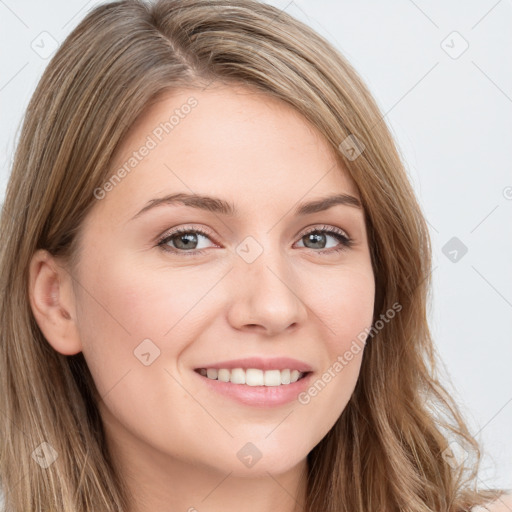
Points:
(230, 142)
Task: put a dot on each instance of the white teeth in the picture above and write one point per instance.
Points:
(237, 376)
(252, 376)
(272, 378)
(223, 375)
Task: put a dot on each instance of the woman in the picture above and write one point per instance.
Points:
(215, 279)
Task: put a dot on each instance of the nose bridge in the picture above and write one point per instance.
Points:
(261, 259)
(266, 291)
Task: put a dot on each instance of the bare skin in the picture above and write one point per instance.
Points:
(174, 439)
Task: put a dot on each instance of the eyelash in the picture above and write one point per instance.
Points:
(346, 242)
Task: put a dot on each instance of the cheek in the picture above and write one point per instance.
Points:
(343, 300)
(344, 305)
(123, 305)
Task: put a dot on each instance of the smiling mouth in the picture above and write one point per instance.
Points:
(253, 376)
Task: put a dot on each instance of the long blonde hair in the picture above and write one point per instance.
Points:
(387, 450)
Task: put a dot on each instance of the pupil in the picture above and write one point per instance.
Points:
(189, 237)
(317, 238)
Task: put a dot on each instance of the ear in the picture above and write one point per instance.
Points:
(53, 302)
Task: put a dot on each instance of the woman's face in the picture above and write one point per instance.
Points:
(150, 314)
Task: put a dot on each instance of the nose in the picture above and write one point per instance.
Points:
(266, 295)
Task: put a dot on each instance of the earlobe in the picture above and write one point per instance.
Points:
(52, 302)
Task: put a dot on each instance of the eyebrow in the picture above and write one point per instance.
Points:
(218, 205)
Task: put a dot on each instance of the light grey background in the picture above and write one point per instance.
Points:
(451, 113)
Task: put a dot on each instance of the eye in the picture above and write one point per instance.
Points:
(319, 236)
(185, 240)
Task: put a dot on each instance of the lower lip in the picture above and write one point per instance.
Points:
(259, 396)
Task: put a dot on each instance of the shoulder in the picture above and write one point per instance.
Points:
(502, 504)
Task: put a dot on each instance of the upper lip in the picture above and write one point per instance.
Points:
(274, 363)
